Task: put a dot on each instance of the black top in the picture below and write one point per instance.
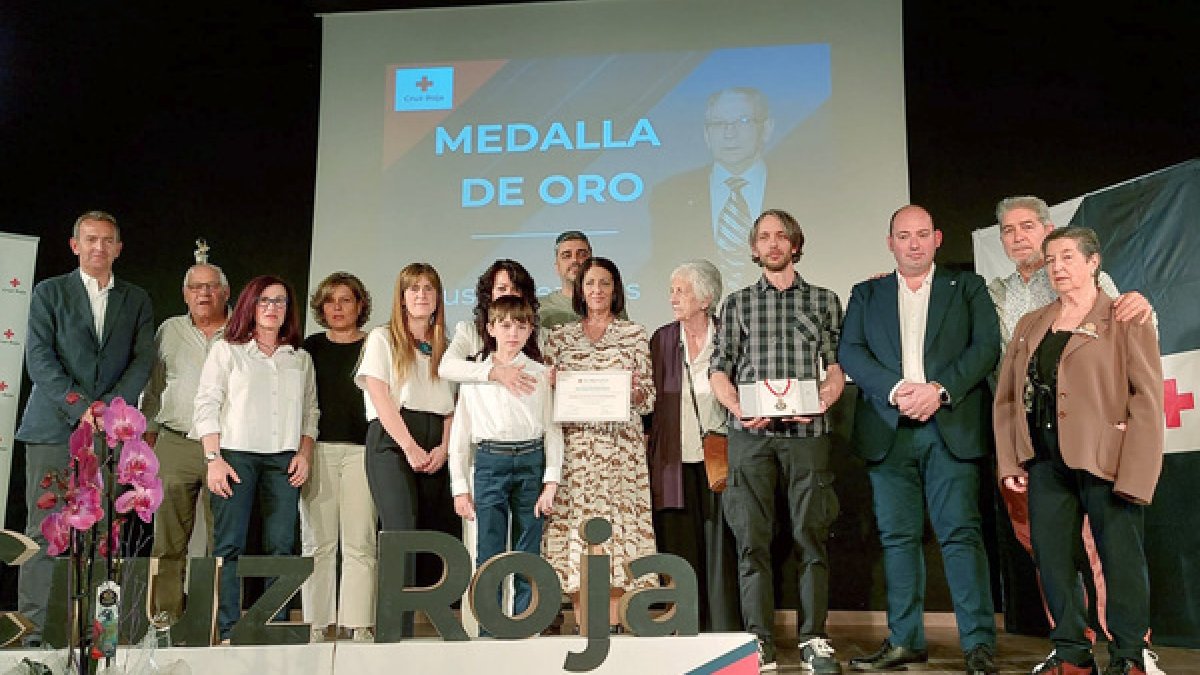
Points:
(343, 417)
(1043, 379)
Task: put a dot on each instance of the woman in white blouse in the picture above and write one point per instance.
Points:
(256, 415)
(409, 408)
(463, 360)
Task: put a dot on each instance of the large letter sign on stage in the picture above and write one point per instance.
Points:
(254, 628)
(485, 595)
(397, 602)
(15, 549)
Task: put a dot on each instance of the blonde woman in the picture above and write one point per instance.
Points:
(408, 409)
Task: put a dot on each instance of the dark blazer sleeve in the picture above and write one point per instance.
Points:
(857, 354)
(42, 359)
(962, 371)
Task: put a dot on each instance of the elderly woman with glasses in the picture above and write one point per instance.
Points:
(687, 513)
(256, 415)
(1078, 424)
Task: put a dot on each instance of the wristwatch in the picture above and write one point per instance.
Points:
(210, 456)
(943, 395)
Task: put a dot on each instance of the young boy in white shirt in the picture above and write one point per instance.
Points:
(516, 447)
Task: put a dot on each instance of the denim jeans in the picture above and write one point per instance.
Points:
(265, 476)
(508, 481)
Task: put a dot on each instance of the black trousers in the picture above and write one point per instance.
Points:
(405, 499)
(698, 534)
(1059, 496)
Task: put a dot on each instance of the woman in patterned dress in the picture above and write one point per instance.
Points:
(604, 466)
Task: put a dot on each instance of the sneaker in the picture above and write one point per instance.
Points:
(1150, 660)
(980, 660)
(816, 655)
(766, 658)
(365, 634)
(1053, 665)
(1123, 666)
(317, 635)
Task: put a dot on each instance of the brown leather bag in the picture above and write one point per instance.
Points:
(716, 460)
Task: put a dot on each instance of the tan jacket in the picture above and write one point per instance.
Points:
(1103, 381)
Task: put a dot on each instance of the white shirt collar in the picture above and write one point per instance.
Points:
(92, 284)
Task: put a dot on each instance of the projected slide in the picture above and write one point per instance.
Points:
(457, 137)
(633, 149)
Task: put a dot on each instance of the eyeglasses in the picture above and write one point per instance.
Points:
(265, 302)
(211, 287)
(740, 124)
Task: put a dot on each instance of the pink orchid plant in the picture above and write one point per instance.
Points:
(81, 488)
(95, 480)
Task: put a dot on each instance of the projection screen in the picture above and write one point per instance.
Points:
(459, 136)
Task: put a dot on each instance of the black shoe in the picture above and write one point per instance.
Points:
(980, 660)
(1123, 666)
(889, 657)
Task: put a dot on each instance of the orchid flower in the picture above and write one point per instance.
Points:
(122, 422)
(138, 463)
(83, 509)
(142, 499)
(57, 533)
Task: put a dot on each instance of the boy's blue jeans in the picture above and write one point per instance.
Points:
(508, 480)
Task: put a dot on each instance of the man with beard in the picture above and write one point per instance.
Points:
(571, 248)
(780, 329)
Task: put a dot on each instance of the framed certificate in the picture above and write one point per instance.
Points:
(779, 398)
(592, 395)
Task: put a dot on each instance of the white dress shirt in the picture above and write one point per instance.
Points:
(754, 192)
(418, 391)
(914, 310)
(98, 296)
(489, 411)
(170, 394)
(257, 403)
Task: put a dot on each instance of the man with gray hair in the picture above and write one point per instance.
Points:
(1024, 223)
(91, 338)
(182, 344)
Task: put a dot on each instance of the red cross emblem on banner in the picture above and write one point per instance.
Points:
(1175, 402)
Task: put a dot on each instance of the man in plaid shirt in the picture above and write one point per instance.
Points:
(779, 328)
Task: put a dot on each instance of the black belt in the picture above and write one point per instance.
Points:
(511, 448)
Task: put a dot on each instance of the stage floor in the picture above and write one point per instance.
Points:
(1016, 654)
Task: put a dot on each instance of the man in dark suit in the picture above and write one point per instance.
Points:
(91, 338)
(726, 195)
(920, 344)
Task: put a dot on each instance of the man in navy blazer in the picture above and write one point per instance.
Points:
(920, 344)
(91, 338)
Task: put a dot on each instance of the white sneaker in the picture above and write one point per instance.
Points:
(1150, 660)
(816, 655)
(363, 635)
(318, 635)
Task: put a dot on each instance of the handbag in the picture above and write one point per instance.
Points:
(715, 443)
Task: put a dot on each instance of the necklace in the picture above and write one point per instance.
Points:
(780, 404)
(424, 347)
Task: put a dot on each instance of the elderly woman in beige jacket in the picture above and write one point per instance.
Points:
(1078, 423)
